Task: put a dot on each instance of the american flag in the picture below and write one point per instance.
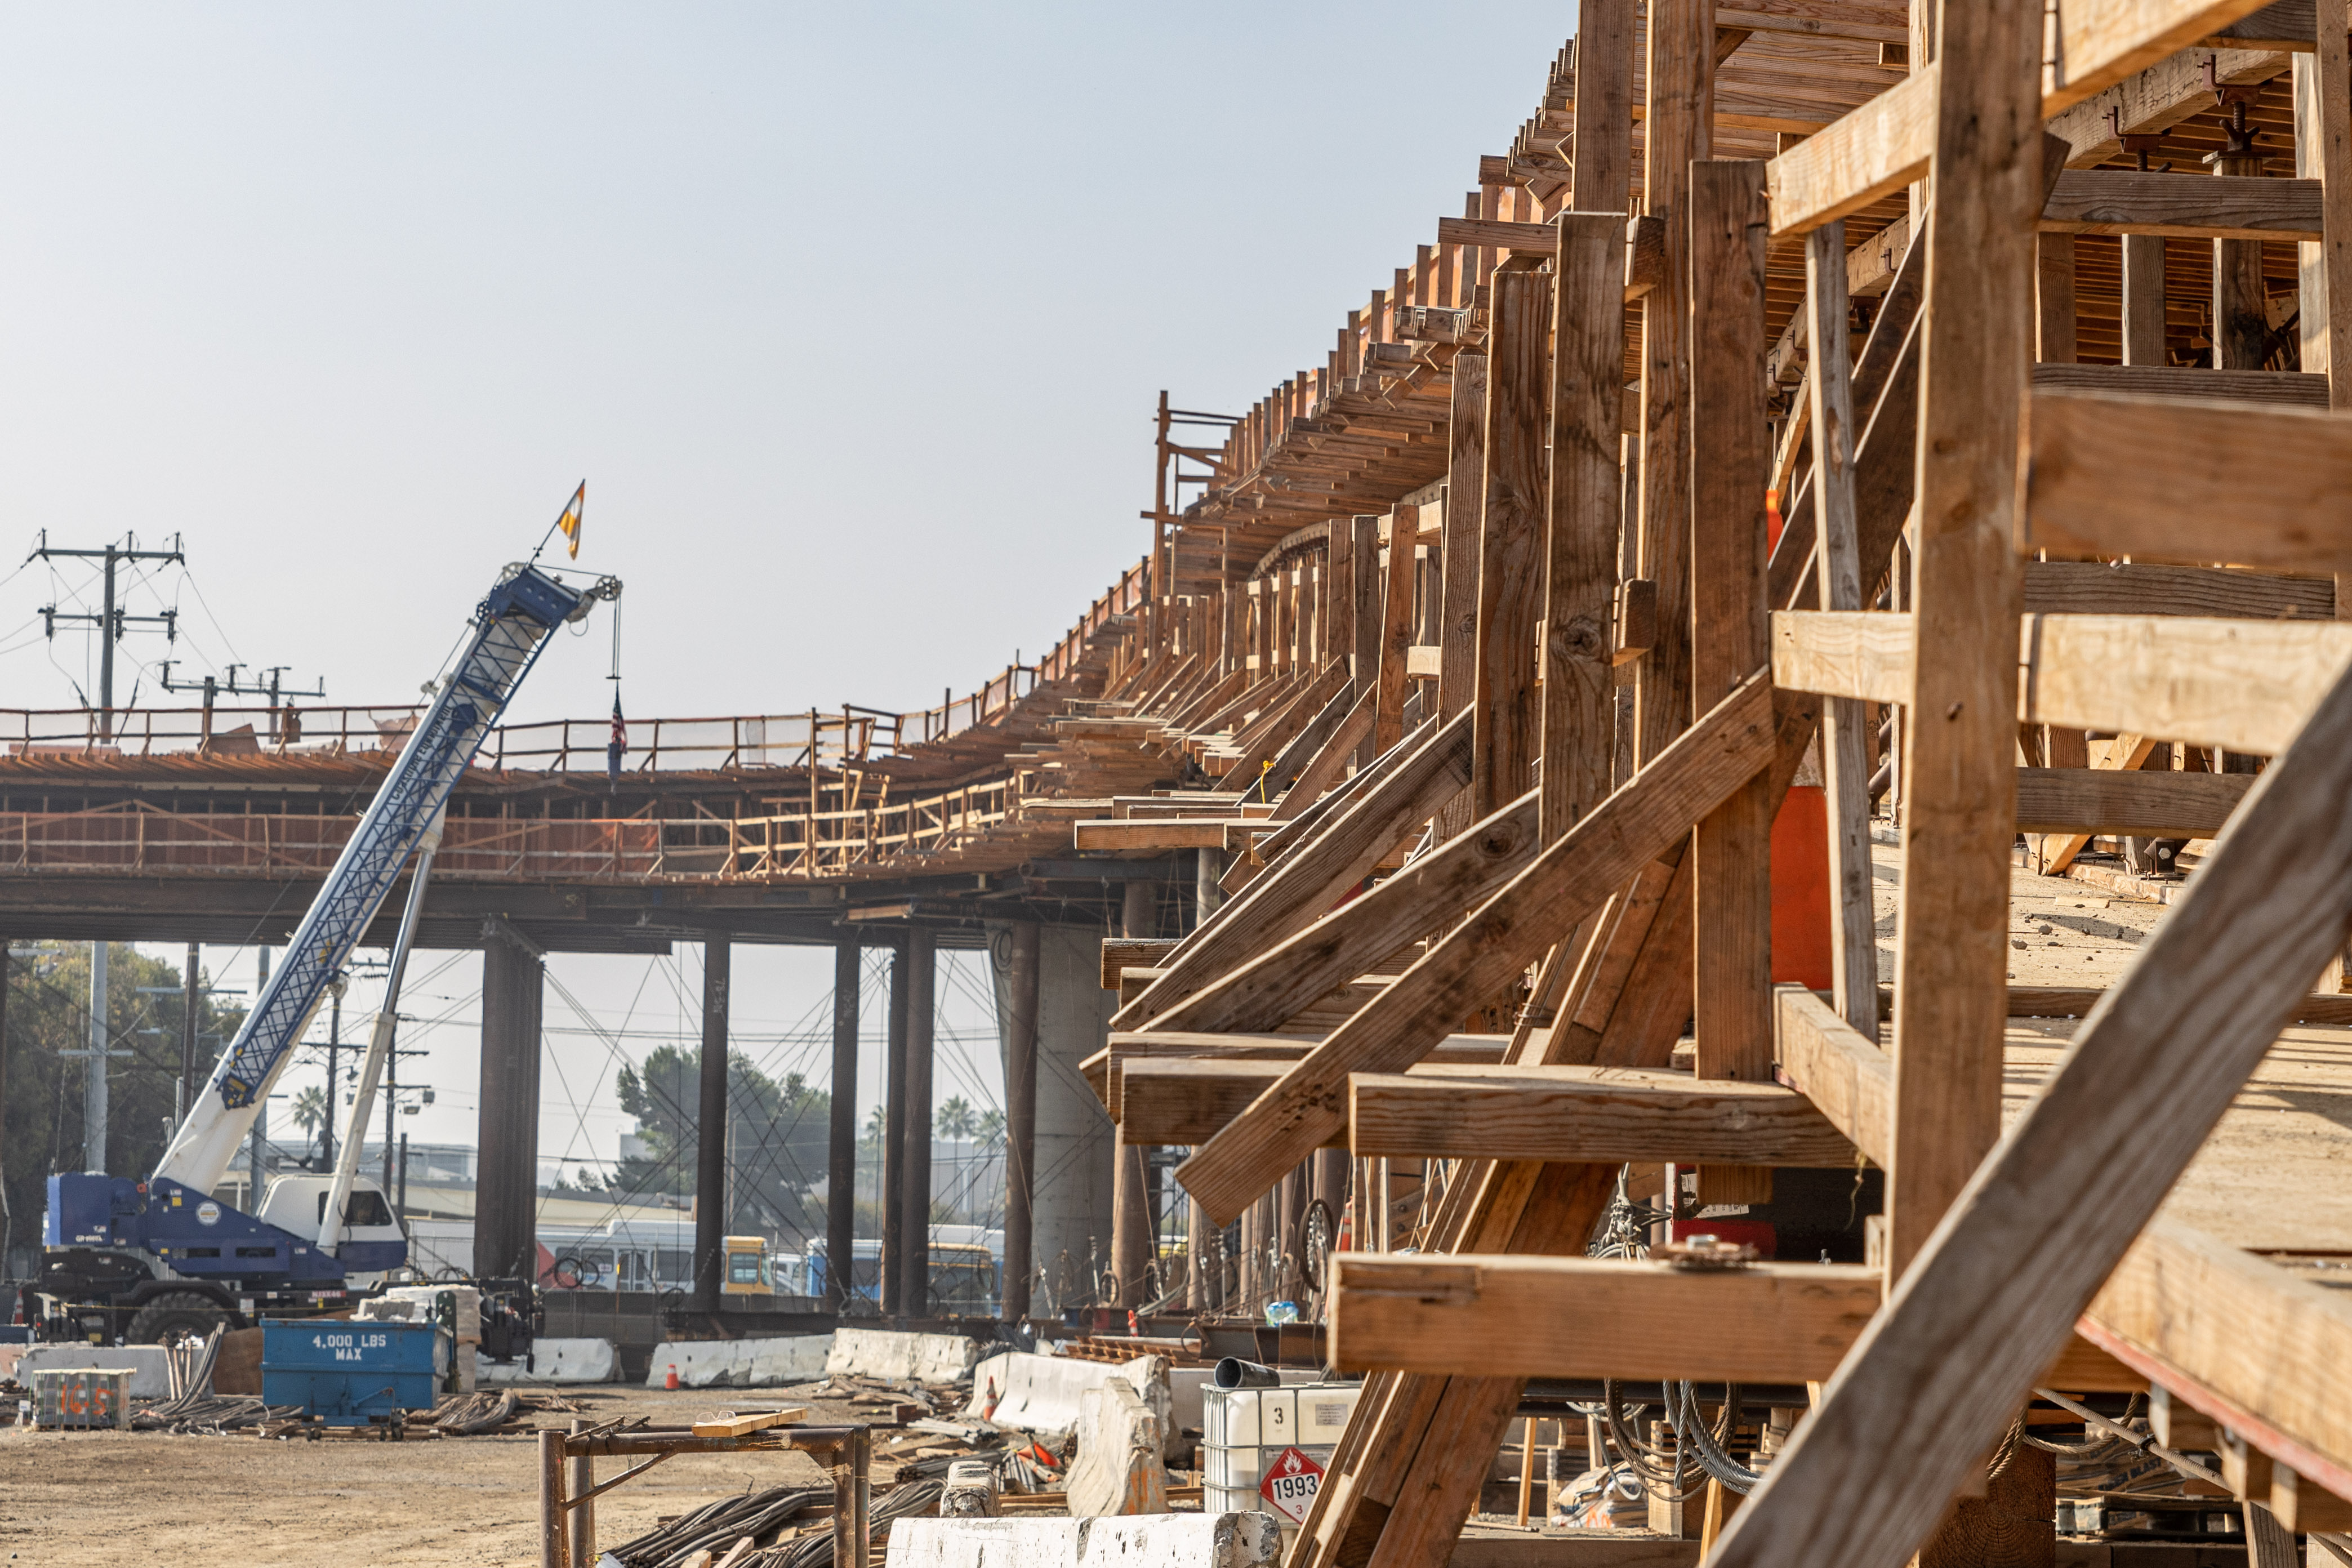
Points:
(618, 746)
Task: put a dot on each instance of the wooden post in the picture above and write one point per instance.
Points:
(2323, 152)
(2144, 299)
(1732, 443)
(1395, 629)
(1587, 492)
(1604, 109)
(2242, 326)
(1674, 133)
(583, 1514)
(1020, 1118)
(1465, 511)
(1847, 734)
(2053, 300)
(1960, 814)
(841, 1153)
(552, 1543)
(1510, 579)
(853, 1500)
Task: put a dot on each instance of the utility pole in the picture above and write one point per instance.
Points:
(93, 1094)
(112, 621)
(186, 1092)
(334, 1040)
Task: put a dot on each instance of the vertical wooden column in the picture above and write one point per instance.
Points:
(1674, 133)
(1587, 491)
(1604, 109)
(1465, 494)
(711, 1127)
(894, 1139)
(2144, 299)
(841, 1152)
(2241, 320)
(1507, 723)
(1132, 1243)
(2323, 152)
(922, 990)
(2054, 299)
(1020, 1118)
(1340, 591)
(1731, 440)
(1847, 733)
(1960, 770)
(1396, 630)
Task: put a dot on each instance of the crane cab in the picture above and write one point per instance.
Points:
(747, 1271)
(373, 1240)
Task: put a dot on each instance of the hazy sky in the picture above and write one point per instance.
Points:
(853, 317)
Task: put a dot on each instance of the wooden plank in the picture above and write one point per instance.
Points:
(2251, 1344)
(1465, 496)
(1585, 1113)
(1603, 124)
(1847, 732)
(2074, 1179)
(2225, 207)
(2098, 42)
(1120, 952)
(1396, 632)
(1951, 949)
(745, 1424)
(1510, 571)
(2150, 804)
(1497, 234)
(1592, 1317)
(2294, 388)
(1859, 655)
(2243, 685)
(2166, 480)
(1732, 440)
(2143, 301)
(1291, 763)
(1876, 25)
(1839, 1071)
(1106, 1070)
(1151, 832)
(1862, 157)
(1305, 881)
(1364, 590)
(1587, 505)
(2323, 151)
(1571, 877)
(1322, 770)
(1264, 991)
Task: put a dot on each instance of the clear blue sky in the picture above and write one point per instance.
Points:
(853, 317)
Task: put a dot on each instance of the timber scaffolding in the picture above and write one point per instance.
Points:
(1501, 663)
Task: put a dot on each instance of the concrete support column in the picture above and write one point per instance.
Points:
(914, 1298)
(894, 1142)
(506, 1184)
(711, 1128)
(1019, 1117)
(841, 1152)
(1208, 874)
(1132, 1243)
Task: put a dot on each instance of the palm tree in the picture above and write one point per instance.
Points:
(990, 1129)
(311, 1112)
(955, 1123)
(878, 1125)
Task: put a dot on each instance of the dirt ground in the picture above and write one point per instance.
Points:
(112, 1498)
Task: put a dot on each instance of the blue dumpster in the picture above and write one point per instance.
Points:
(350, 1373)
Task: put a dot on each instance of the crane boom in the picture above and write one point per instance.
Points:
(509, 627)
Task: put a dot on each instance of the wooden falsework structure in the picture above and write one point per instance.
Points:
(1813, 393)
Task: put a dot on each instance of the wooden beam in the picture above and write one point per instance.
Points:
(1120, 952)
(1634, 826)
(1510, 574)
(2074, 1179)
(1583, 1113)
(1153, 833)
(1839, 1071)
(2225, 207)
(1603, 124)
(2098, 42)
(2157, 98)
(1465, 496)
(1863, 156)
(1592, 1317)
(1106, 1070)
(1587, 504)
(2295, 388)
(2244, 1341)
(1731, 465)
(1304, 883)
(744, 1425)
(2150, 804)
(1858, 655)
(2151, 478)
(1396, 631)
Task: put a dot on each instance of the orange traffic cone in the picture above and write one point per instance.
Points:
(671, 1382)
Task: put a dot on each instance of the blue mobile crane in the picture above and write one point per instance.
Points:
(141, 1259)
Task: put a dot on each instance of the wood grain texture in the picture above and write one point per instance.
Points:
(1571, 877)
(2223, 207)
(1591, 1317)
(1266, 991)
(2098, 42)
(1583, 1113)
(1604, 125)
(1396, 630)
(1864, 655)
(1587, 504)
(2131, 588)
(1510, 569)
(2294, 388)
(2243, 685)
(1841, 1071)
(2174, 480)
(1958, 767)
(1304, 883)
(2073, 1181)
(2153, 804)
(1861, 158)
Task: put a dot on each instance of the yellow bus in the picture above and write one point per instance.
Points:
(748, 1271)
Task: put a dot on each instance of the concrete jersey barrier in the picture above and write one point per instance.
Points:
(1139, 1541)
(740, 1364)
(900, 1357)
(1023, 1392)
(150, 1377)
(555, 1361)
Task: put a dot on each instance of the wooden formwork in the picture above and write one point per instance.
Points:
(1822, 388)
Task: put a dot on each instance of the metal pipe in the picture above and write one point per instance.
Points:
(379, 1051)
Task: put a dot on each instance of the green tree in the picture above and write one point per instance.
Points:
(309, 1114)
(955, 1123)
(990, 1129)
(877, 1128)
(777, 1144)
(48, 1013)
